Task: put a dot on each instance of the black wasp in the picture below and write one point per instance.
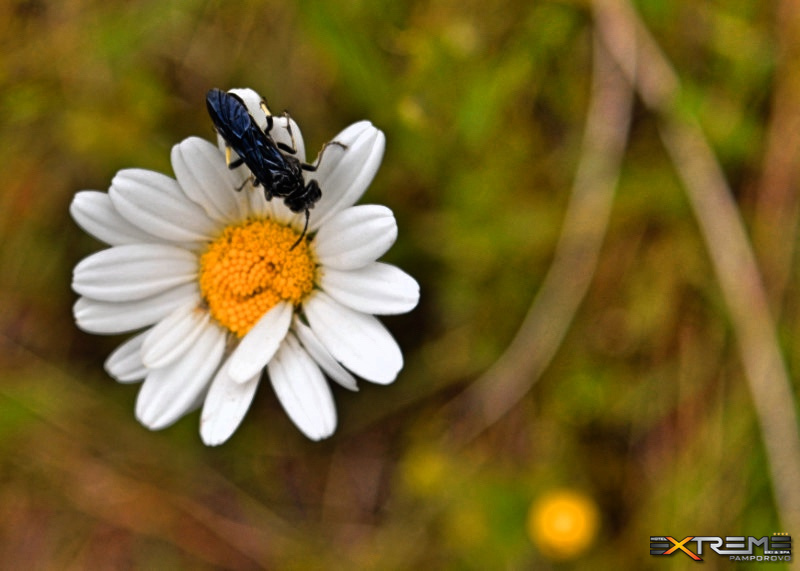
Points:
(273, 164)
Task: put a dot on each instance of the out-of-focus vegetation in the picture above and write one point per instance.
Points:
(644, 416)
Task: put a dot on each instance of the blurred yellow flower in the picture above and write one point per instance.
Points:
(563, 523)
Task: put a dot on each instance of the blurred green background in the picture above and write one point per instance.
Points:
(644, 415)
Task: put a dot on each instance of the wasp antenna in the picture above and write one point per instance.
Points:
(301, 235)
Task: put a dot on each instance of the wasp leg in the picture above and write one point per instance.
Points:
(282, 146)
(286, 148)
(244, 182)
(300, 239)
(268, 113)
(232, 164)
(270, 124)
(312, 168)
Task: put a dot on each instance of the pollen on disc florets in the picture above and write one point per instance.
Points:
(250, 268)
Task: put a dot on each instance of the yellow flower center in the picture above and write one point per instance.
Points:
(250, 268)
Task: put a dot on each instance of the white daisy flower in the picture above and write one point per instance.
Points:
(210, 277)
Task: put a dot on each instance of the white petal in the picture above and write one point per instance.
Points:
(279, 133)
(321, 355)
(94, 212)
(260, 343)
(105, 317)
(125, 363)
(288, 133)
(252, 100)
(378, 288)
(257, 202)
(239, 175)
(350, 133)
(170, 392)
(155, 203)
(205, 178)
(133, 271)
(344, 174)
(355, 237)
(173, 336)
(360, 342)
(302, 390)
(226, 404)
